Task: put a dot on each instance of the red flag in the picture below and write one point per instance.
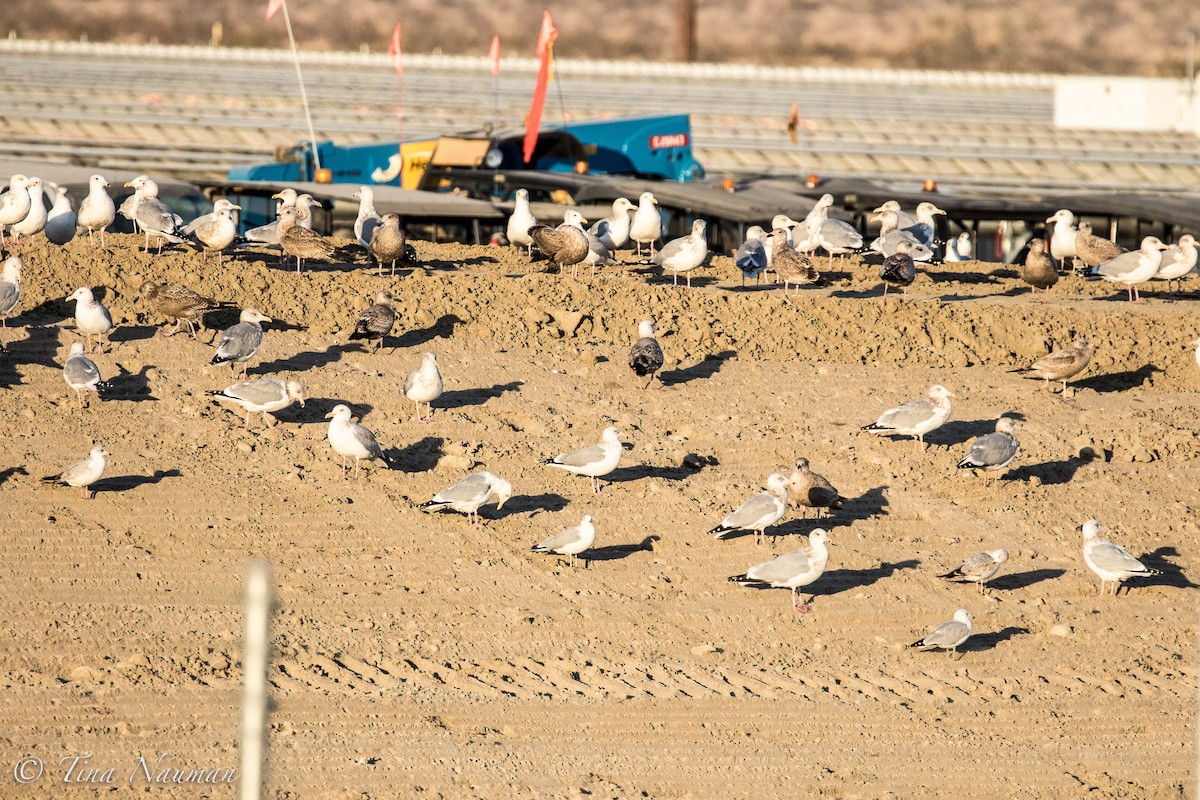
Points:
(273, 6)
(545, 50)
(394, 51)
(494, 55)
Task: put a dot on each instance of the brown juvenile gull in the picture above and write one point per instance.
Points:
(351, 440)
(520, 222)
(15, 203)
(993, 452)
(387, 241)
(83, 473)
(791, 266)
(949, 635)
(91, 317)
(759, 512)
(424, 385)
(915, 417)
(262, 396)
(813, 490)
(240, 343)
(596, 461)
(300, 242)
(899, 269)
(376, 322)
(1062, 365)
(82, 374)
(470, 493)
(570, 542)
(978, 569)
(10, 288)
(1038, 270)
(646, 357)
(685, 253)
(1131, 269)
(180, 304)
(1093, 250)
(791, 570)
(566, 245)
(1111, 562)
(97, 211)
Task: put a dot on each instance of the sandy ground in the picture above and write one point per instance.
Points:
(417, 656)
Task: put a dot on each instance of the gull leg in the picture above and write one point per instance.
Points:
(248, 420)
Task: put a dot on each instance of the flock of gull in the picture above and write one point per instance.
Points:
(787, 250)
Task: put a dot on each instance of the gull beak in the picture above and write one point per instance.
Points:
(239, 208)
(329, 415)
(130, 185)
(500, 505)
(302, 402)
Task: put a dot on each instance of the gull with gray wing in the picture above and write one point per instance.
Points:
(792, 570)
(470, 493)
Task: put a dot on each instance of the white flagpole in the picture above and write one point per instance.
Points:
(312, 136)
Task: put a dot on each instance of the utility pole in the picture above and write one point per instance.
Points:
(685, 30)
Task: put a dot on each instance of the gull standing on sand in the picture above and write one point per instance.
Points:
(180, 304)
(792, 570)
(949, 635)
(91, 317)
(300, 242)
(262, 396)
(424, 385)
(646, 226)
(959, 249)
(597, 254)
(35, 220)
(15, 203)
(269, 234)
(61, 221)
(388, 241)
(82, 374)
(1094, 250)
(351, 440)
(570, 542)
(684, 254)
(567, 245)
(646, 357)
(97, 211)
(215, 235)
(993, 452)
(10, 288)
(1062, 365)
(1111, 562)
(152, 215)
(978, 569)
(790, 265)
(915, 417)
(1062, 236)
(1132, 269)
(519, 223)
(925, 228)
(596, 461)
(1178, 260)
(368, 218)
(376, 322)
(813, 490)
(239, 343)
(617, 234)
(759, 512)
(470, 493)
(751, 256)
(899, 269)
(222, 204)
(1038, 270)
(83, 473)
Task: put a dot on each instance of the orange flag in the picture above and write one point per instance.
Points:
(394, 51)
(545, 50)
(273, 6)
(494, 55)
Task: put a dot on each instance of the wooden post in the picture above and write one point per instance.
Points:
(685, 30)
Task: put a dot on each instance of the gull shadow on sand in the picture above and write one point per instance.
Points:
(122, 334)
(7, 474)
(846, 580)
(39, 348)
(614, 552)
(314, 410)
(1117, 381)
(1172, 574)
(419, 456)
(871, 503)
(1023, 580)
(301, 362)
(958, 298)
(1049, 472)
(635, 473)
(463, 398)
(875, 291)
(710, 366)
(130, 386)
(533, 503)
(980, 642)
(127, 483)
(444, 328)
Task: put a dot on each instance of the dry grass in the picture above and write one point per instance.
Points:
(1125, 37)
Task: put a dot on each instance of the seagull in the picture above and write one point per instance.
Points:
(949, 635)
(180, 304)
(301, 242)
(685, 253)
(97, 211)
(567, 245)
(519, 223)
(368, 218)
(222, 204)
(751, 256)
(597, 253)
(915, 417)
(424, 385)
(1131, 269)
(388, 241)
(269, 234)
(792, 570)
(215, 235)
(15, 203)
(899, 269)
(1038, 270)
(10, 288)
(646, 226)
(35, 221)
(813, 490)
(470, 493)
(978, 569)
(617, 234)
(959, 249)
(993, 452)
(1094, 250)
(596, 461)
(83, 473)
(570, 542)
(240, 343)
(759, 512)
(262, 396)
(351, 440)
(888, 244)
(82, 374)
(903, 218)
(925, 227)
(61, 221)
(1062, 237)
(1178, 260)
(91, 317)
(377, 321)
(152, 215)
(1111, 562)
(789, 265)
(835, 237)
(1061, 365)
(646, 357)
